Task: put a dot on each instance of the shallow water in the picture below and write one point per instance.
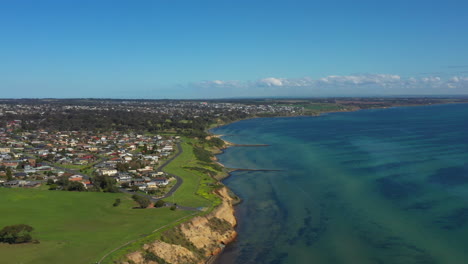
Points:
(373, 186)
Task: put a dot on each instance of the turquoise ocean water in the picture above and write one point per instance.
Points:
(373, 186)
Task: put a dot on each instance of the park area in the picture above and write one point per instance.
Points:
(83, 227)
(74, 227)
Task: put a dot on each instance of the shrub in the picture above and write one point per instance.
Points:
(202, 154)
(150, 256)
(159, 203)
(16, 234)
(117, 202)
(143, 202)
(76, 186)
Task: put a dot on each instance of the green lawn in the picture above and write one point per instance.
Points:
(74, 227)
(82, 227)
(195, 191)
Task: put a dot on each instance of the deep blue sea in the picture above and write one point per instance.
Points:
(372, 186)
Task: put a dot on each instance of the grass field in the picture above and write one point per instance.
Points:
(74, 227)
(196, 189)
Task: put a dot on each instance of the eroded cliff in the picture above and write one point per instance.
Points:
(194, 241)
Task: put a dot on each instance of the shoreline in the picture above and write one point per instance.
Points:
(218, 125)
(229, 144)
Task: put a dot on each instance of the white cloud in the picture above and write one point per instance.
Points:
(431, 79)
(218, 82)
(271, 81)
(361, 79)
(362, 83)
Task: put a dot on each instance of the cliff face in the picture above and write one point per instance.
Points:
(194, 241)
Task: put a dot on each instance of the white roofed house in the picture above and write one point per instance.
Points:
(156, 174)
(107, 171)
(123, 177)
(167, 148)
(132, 147)
(151, 185)
(151, 158)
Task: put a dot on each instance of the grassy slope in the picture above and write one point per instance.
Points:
(74, 227)
(196, 191)
(194, 182)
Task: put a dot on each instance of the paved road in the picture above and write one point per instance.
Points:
(72, 171)
(101, 160)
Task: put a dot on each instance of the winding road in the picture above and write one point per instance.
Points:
(174, 188)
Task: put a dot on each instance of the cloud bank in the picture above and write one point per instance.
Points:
(344, 84)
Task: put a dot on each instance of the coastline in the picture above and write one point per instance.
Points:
(229, 144)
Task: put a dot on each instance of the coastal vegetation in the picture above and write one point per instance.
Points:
(197, 190)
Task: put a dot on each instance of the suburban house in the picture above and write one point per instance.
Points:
(167, 148)
(108, 171)
(123, 177)
(14, 183)
(11, 163)
(5, 150)
(156, 174)
(75, 178)
(151, 185)
(161, 181)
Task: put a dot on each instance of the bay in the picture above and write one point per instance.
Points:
(372, 186)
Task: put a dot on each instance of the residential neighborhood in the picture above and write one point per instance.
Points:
(36, 158)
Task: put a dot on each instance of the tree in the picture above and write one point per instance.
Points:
(50, 181)
(107, 184)
(63, 181)
(135, 188)
(16, 234)
(9, 175)
(76, 186)
(159, 203)
(122, 166)
(143, 202)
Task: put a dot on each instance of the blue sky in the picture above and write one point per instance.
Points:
(213, 49)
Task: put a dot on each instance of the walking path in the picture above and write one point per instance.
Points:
(154, 231)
